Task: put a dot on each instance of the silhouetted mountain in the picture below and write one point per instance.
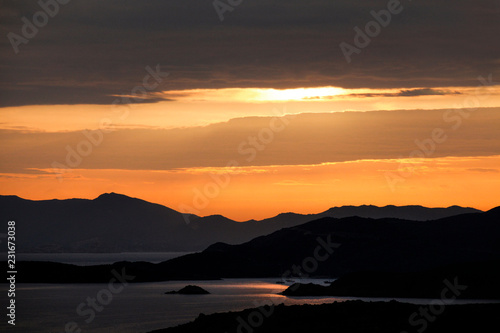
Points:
(356, 244)
(414, 213)
(469, 280)
(109, 223)
(117, 223)
(326, 247)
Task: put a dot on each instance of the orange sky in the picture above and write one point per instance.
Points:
(308, 125)
(304, 164)
(198, 107)
(250, 192)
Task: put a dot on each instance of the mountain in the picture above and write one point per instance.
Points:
(117, 223)
(327, 247)
(477, 280)
(414, 213)
(109, 223)
(334, 247)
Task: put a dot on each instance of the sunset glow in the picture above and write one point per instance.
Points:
(440, 182)
(199, 107)
(298, 126)
(250, 166)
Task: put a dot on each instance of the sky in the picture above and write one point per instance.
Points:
(252, 108)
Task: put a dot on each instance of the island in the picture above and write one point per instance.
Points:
(189, 290)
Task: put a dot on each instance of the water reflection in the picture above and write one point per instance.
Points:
(142, 307)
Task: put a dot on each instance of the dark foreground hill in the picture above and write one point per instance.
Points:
(471, 280)
(117, 223)
(349, 317)
(327, 247)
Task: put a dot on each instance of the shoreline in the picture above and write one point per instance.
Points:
(348, 317)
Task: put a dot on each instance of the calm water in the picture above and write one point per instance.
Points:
(143, 307)
(87, 259)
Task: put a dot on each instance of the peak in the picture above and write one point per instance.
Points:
(113, 197)
(10, 196)
(216, 217)
(109, 194)
(286, 214)
(217, 247)
(494, 211)
(464, 208)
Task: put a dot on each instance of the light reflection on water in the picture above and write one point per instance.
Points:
(142, 307)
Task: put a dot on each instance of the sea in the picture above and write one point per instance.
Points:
(142, 307)
(88, 259)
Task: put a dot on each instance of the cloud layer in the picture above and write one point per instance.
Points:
(92, 50)
(262, 141)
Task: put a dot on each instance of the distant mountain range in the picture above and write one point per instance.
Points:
(118, 223)
(335, 247)
(327, 248)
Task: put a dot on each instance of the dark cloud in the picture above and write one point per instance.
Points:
(93, 49)
(409, 93)
(426, 92)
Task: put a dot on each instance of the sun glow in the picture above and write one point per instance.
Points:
(201, 107)
(299, 93)
(255, 95)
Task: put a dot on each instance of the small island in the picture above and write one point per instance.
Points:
(189, 290)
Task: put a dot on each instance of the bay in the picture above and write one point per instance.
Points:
(142, 307)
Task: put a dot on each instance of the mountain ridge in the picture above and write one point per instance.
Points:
(326, 248)
(115, 222)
